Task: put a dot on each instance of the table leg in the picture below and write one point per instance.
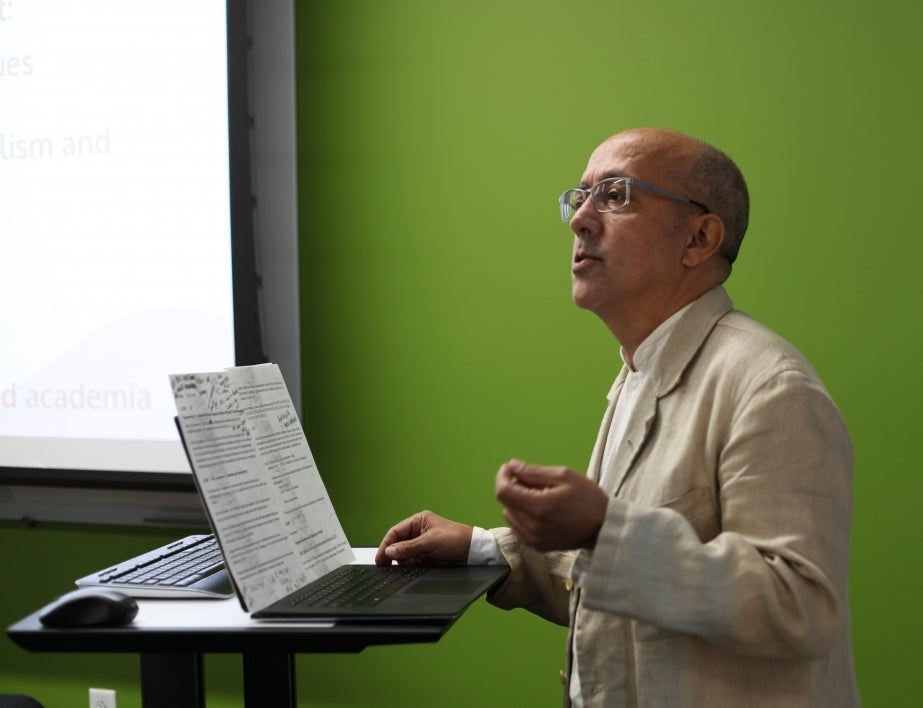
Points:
(269, 680)
(172, 681)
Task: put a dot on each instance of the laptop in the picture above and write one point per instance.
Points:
(283, 545)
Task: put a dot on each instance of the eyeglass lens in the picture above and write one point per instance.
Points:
(607, 195)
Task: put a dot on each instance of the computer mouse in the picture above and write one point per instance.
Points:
(90, 607)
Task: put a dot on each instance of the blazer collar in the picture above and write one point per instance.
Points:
(687, 337)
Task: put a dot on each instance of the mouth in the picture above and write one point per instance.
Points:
(583, 257)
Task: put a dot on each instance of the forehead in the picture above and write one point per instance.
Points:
(649, 157)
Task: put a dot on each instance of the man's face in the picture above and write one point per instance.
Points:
(631, 258)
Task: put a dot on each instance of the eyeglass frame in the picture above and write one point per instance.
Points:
(629, 181)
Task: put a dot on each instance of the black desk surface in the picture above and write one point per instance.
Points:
(220, 626)
(216, 626)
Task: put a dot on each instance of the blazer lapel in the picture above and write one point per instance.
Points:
(687, 337)
(635, 436)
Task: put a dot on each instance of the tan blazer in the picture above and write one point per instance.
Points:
(719, 576)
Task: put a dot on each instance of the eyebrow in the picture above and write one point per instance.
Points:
(605, 175)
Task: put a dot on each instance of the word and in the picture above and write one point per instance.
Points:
(14, 147)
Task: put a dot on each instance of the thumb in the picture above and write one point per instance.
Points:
(528, 474)
(403, 550)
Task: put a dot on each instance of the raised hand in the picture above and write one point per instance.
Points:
(550, 508)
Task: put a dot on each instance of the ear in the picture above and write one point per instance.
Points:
(704, 241)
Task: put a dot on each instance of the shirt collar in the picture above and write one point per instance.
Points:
(648, 351)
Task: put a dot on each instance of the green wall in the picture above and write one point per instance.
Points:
(439, 338)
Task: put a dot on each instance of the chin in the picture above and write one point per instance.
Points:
(582, 299)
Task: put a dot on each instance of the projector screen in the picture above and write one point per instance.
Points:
(127, 225)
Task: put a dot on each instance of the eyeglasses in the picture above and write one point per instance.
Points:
(611, 195)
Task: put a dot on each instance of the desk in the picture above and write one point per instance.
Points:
(171, 637)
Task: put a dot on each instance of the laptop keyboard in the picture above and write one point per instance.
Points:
(356, 586)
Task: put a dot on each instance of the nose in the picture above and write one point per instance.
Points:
(584, 218)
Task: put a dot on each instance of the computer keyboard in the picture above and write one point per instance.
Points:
(190, 567)
(356, 586)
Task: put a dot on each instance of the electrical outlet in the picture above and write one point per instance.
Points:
(102, 698)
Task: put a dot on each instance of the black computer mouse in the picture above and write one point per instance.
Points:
(90, 607)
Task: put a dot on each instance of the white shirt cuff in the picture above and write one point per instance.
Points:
(484, 549)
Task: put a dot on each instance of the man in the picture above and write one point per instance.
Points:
(702, 560)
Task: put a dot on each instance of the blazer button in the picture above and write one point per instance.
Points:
(568, 584)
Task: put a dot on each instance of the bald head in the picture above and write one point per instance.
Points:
(693, 168)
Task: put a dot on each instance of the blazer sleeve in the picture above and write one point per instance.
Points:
(538, 582)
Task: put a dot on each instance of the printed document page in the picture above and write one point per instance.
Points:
(256, 474)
